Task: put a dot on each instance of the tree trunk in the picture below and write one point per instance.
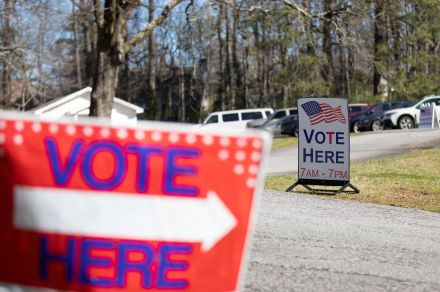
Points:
(221, 90)
(104, 84)
(77, 49)
(260, 60)
(378, 42)
(182, 106)
(310, 48)
(285, 87)
(112, 48)
(205, 69)
(230, 95)
(7, 39)
(246, 74)
(328, 73)
(152, 66)
(89, 39)
(237, 74)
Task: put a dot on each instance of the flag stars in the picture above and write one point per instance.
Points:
(173, 138)
(225, 141)
(257, 143)
(36, 127)
(241, 142)
(240, 155)
(255, 156)
(53, 128)
(19, 126)
(105, 132)
(88, 131)
(253, 169)
(223, 154)
(190, 139)
(238, 169)
(122, 134)
(208, 140)
(17, 139)
(70, 130)
(156, 136)
(251, 182)
(139, 135)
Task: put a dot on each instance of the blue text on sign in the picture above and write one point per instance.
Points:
(324, 137)
(82, 156)
(153, 268)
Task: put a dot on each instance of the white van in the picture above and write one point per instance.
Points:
(236, 118)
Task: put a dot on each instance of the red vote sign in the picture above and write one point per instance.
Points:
(93, 207)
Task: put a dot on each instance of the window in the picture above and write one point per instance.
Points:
(279, 115)
(268, 114)
(293, 112)
(385, 107)
(355, 109)
(213, 119)
(230, 117)
(396, 105)
(427, 103)
(251, 116)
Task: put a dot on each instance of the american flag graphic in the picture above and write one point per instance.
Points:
(322, 112)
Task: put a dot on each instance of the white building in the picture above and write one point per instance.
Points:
(77, 104)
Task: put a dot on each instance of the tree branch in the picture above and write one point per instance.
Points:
(149, 28)
(297, 8)
(99, 15)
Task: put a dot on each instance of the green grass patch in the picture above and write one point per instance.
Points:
(286, 141)
(410, 180)
(282, 142)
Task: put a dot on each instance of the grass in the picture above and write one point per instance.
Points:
(410, 180)
(282, 142)
(285, 141)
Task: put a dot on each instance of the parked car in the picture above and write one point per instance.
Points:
(275, 125)
(409, 117)
(357, 108)
(290, 126)
(280, 113)
(372, 119)
(236, 118)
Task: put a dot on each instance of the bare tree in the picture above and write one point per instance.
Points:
(111, 20)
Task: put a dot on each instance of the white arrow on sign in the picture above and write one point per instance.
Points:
(130, 216)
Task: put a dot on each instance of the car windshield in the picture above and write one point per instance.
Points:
(410, 103)
(376, 107)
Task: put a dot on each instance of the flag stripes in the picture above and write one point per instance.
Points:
(322, 112)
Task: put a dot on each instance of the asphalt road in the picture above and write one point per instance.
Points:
(363, 147)
(307, 243)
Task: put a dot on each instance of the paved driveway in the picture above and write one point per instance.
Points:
(307, 243)
(363, 147)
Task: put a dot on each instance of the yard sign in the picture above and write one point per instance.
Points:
(93, 207)
(324, 142)
(427, 116)
(436, 117)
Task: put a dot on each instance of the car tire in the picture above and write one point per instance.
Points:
(295, 132)
(377, 126)
(355, 127)
(405, 122)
